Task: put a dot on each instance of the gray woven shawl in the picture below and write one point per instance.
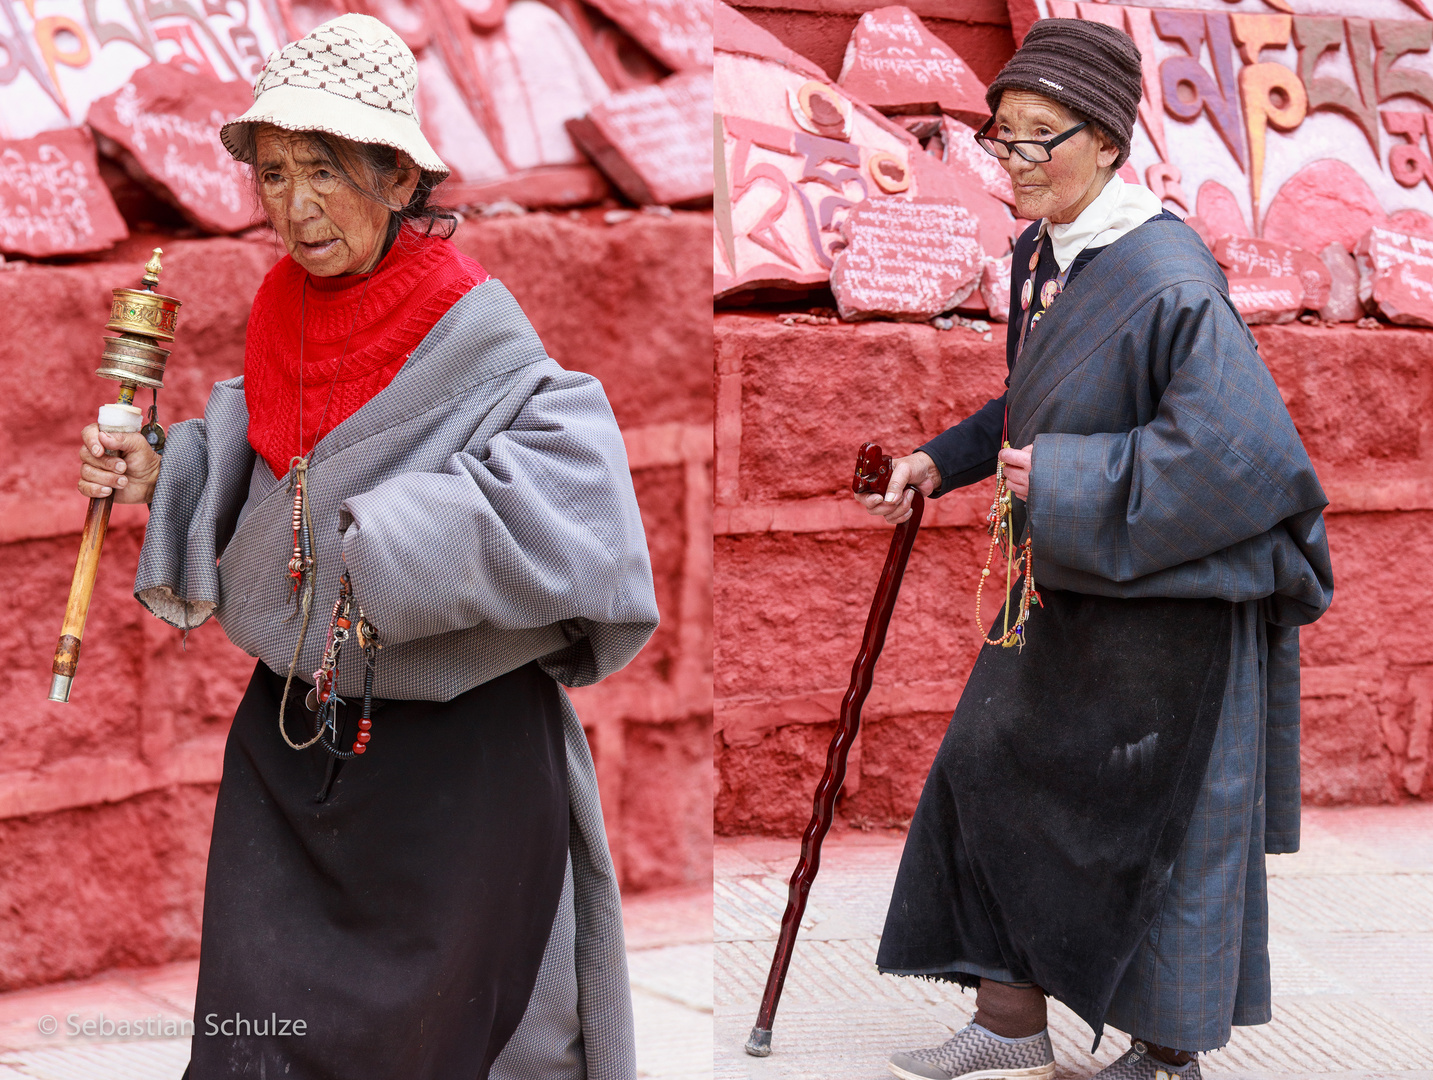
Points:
(483, 505)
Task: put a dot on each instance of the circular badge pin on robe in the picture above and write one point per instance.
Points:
(1048, 292)
(1027, 293)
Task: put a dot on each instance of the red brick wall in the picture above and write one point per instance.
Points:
(106, 803)
(797, 561)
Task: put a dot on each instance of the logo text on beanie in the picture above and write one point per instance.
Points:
(1047, 82)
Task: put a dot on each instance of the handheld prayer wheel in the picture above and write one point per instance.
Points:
(142, 318)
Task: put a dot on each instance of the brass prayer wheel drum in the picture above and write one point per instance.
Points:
(148, 313)
(130, 359)
(143, 318)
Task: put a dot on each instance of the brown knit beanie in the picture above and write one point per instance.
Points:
(1088, 67)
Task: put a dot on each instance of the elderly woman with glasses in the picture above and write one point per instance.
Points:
(421, 525)
(1094, 825)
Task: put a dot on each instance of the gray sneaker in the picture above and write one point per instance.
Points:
(1137, 1064)
(973, 1053)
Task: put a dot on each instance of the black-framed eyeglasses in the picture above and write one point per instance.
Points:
(1029, 149)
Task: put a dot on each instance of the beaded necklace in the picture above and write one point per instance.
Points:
(999, 519)
(323, 699)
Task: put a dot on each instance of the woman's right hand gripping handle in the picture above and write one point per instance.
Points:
(130, 476)
(916, 470)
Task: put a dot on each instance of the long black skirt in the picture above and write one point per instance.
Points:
(1059, 799)
(383, 916)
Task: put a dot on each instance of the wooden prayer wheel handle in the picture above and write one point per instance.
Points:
(142, 317)
(873, 472)
(113, 418)
(82, 587)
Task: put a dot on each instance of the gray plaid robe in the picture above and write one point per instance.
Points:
(1166, 464)
(483, 506)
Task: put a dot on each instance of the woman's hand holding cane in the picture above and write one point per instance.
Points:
(915, 471)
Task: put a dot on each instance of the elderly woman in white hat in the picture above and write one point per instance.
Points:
(421, 525)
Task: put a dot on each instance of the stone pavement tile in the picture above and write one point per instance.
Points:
(151, 1060)
(1351, 958)
(669, 955)
(669, 960)
(677, 916)
(172, 985)
(1325, 1034)
(1402, 835)
(1366, 903)
(674, 1042)
(812, 1043)
(680, 973)
(112, 997)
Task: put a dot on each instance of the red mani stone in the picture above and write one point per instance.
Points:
(1343, 304)
(52, 200)
(906, 259)
(654, 142)
(895, 64)
(676, 32)
(163, 126)
(1246, 257)
(1396, 274)
(995, 288)
(1267, 299)
(1323, 202)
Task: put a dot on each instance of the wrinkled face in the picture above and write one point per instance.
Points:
(328, 227)
(1078, 168)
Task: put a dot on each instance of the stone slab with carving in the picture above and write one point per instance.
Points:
(676, 32)
(1247, 257)
(60, 59)
(52, 200)
(995, 288)
(1262, 300)
(1396, 275)
(797, 153)
(898, 66)
(906, 259)
(958, 146)
(654, 142)
(163, 127)
(1302, 123)
(1343, 304)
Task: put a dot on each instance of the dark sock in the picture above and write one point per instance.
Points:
(1012, 1012)
(1168, 1056)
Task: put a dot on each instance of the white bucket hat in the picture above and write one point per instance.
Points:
(352, 77)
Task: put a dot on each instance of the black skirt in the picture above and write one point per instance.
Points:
(383, 916)
(1059, 799)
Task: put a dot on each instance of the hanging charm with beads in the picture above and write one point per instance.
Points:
(1001, 527)
(323, 700)
(301, 562)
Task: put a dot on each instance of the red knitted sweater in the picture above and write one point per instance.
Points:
(419, 279)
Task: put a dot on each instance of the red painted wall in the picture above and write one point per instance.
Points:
(797, 562)
(106, 803)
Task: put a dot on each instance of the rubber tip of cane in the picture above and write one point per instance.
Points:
(60, 687)
(759, 1044)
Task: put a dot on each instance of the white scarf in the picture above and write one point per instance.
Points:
(1116, 210)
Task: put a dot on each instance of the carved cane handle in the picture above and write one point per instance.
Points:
(873, 470)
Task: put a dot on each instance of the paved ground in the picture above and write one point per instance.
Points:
(669, 941)
(1351, 948)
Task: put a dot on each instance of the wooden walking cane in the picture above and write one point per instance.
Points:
(133, 359)
(873, 471)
